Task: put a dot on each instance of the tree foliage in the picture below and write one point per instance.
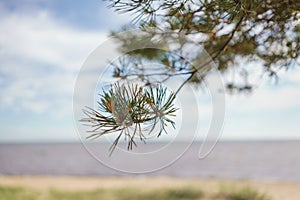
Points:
(265, 32)
(132, 111)
(231, 31)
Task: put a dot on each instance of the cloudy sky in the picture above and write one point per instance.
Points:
(43, 44)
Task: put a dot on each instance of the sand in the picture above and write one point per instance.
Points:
(278, 190)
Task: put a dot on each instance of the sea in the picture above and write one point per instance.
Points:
(254, 160)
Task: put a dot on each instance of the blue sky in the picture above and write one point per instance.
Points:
(43, 44)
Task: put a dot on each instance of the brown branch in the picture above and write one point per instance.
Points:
(214, 57)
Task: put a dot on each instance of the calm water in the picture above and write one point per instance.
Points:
(237, 160)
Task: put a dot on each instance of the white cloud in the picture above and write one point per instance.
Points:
(290, 76)
(269, 96)
(270, 112)
(40, 59)
(266, 100)
(41, 40)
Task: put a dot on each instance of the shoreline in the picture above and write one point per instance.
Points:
(277, 190)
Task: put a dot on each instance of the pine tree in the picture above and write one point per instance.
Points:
(266, 32)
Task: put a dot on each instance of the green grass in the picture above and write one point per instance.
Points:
(163, 194)
(127, 193)
(16, 193)
(245, 193)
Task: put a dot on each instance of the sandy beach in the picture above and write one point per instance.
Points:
(275, 190)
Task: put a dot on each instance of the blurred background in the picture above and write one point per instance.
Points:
(43, 45)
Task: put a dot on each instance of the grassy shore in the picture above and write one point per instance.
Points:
(145, 188)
